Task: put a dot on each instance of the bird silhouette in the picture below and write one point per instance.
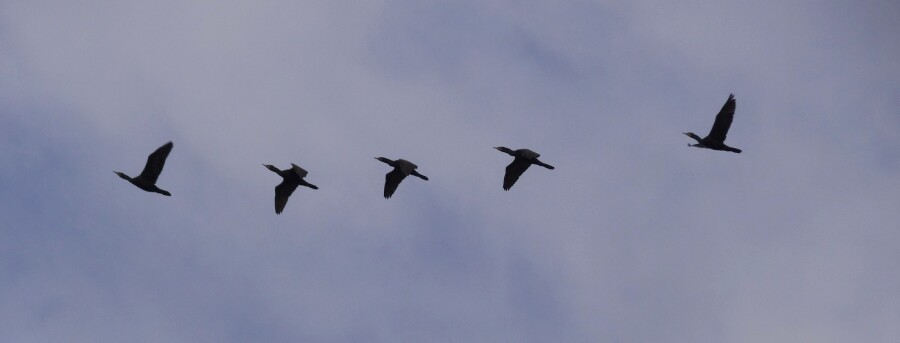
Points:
(402, 168)
(715, 140)
(524, 158)
(154, 166)
(291, 178)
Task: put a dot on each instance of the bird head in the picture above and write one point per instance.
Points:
(272, 168)
(692, 135)
(504, 149)
(122, 175)
(385, 160)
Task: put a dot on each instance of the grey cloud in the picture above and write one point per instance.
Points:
(634, 237)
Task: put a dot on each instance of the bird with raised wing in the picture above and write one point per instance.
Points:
(524, 158)
(154, 166)
(715, 140)
(291, 178)
(402, 168)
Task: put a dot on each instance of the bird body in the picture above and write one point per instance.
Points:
(155, 163)
(524, 158)
(402, 169)
(526, 153)
(291, 178)
(715, 140)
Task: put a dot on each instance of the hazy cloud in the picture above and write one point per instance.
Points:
(634, 237)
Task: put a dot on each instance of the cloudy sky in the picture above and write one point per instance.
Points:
(633, 238)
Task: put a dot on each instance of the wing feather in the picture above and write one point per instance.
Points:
(391, 181)
(155, 163)
(723, 120)
(299, 171)
(282, 192)
(513, 171)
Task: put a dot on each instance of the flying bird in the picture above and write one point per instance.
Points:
(154, 166)
(402, 168)
(292, 178)
(716, 138)
(524, 158)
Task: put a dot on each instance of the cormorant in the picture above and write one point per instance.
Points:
(291, 179)
(154, 166)
(524, 158)
(402, 168)
(716, 138)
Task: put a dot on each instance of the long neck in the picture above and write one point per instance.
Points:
(506, 150)
(122, 175)
(386, 160)
(694, 136)
(272, 168)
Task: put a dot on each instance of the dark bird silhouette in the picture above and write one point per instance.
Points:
(292, 178)
(716, 138)
(154, 166)
(402, 168)
(524, 158)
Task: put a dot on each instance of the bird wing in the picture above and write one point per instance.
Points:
(155, 163)
(391, 181)
(299, 171)
(513, 171)
(282, 193)
(723, 120)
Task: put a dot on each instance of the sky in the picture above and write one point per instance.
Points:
(634, 237)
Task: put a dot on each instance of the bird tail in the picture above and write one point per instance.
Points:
(542, 164)
(423, 177)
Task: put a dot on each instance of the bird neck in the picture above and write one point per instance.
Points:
(694, 136)
(272, 168)
(506, 150)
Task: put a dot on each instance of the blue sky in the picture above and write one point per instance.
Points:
(634, 237)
